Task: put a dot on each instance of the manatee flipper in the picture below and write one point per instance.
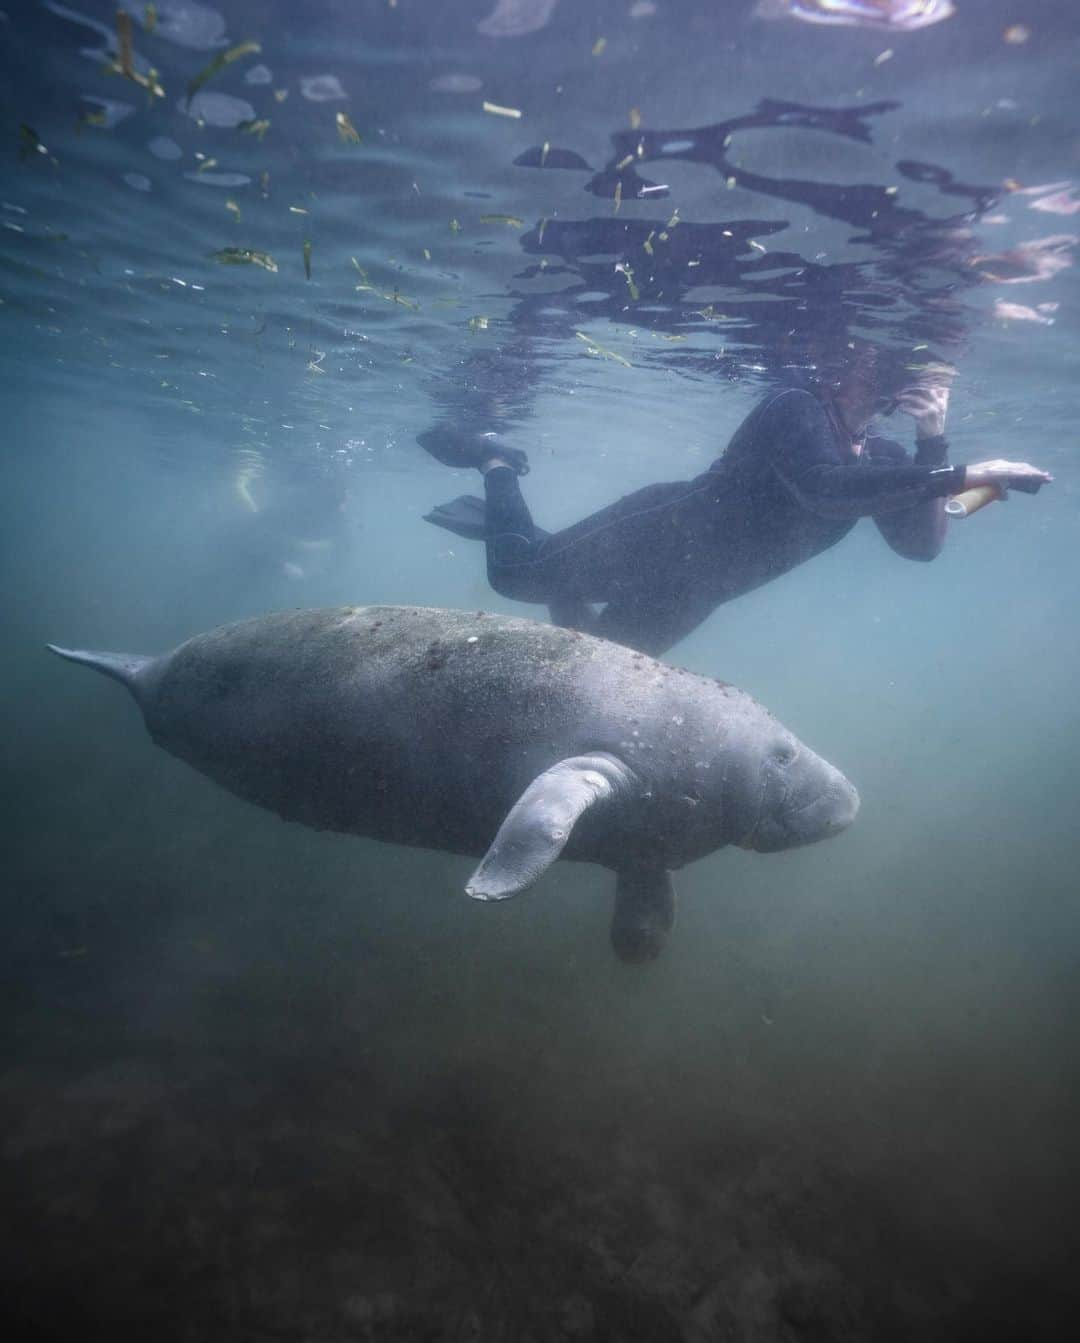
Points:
(644, 913)
(466, 516)
(539, 823)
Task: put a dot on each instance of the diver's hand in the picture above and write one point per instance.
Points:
(927, 405)
(1006, 476)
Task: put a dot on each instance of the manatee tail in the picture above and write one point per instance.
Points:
(122, 667)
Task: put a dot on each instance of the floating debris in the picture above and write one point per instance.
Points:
(627, 273)
(244, 256)
(427, 255)
(233, 209)
(478, 323)
(455, 227)
(125, 59)
(298, 210)
(280, 95)
(219, 63)
(256, 126)
(512, 221)
(205, 164)
(347, 132)
(1016, 34)
(600, 352)
(30, 143)
(598, 46)
(150, 17)
(307, 258)
(395, 297)
(98, 118)
(497, 110)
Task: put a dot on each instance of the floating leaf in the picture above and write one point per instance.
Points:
(219, 63)
(347, 132)
(252, 126)
(600, 351)
(125, 59)
(244, 256)
(497, 110)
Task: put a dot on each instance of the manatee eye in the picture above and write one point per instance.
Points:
(784, 755)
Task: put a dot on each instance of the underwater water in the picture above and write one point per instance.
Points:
(260, 1082)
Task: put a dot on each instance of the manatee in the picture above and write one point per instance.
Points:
(489, 736)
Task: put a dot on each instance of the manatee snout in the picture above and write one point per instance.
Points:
(817, 802)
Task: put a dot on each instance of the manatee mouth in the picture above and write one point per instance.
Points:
(827, 813)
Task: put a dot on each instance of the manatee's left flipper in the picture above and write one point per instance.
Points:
(539, 823)
(644, 913)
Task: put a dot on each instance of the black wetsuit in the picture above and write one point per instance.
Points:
(788, 487)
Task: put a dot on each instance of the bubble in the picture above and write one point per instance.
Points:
(217, 109)
(189, 24)
(219, 179)
(455, 83)
(138, 181)
(163, 148)
(258, 74)
(322, 88)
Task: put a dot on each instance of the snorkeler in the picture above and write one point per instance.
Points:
(798, 473)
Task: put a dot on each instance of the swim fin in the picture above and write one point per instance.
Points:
(464, 447)
(465, 516)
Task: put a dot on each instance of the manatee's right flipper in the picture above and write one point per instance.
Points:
(644, 913)
(538, 825)
(466, 516)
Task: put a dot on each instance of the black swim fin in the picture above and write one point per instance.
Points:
(465, 516)
(464, 447)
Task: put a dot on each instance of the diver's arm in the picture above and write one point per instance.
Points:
(918, 532)
(806, 457)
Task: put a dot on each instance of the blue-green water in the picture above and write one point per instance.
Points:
(260, 1082)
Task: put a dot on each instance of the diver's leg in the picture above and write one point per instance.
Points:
(510, 536)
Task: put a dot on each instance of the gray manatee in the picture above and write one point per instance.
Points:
(490, 736)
